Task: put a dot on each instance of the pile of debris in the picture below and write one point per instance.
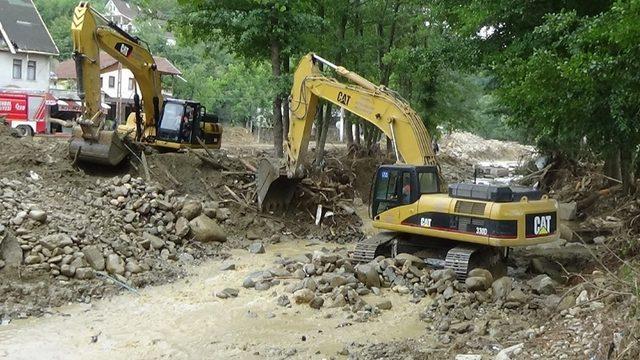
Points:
(124, 230)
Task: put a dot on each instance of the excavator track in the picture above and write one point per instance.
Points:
(461, 259)
(367, 249)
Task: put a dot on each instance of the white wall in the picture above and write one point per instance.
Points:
(43, 68)
(113, 91)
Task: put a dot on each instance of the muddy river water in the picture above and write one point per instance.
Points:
(184, 320)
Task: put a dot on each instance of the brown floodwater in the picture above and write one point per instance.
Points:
(184, 320)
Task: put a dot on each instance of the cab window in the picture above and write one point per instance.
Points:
(428, 182)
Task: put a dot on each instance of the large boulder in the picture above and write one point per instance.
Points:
(501, 287)
(10, 251)
(191, 209)
(53, 241)
(205, 230)
(367, 274)
(94, 257)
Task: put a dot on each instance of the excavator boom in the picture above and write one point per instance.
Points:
(91, 32)
(375, 104)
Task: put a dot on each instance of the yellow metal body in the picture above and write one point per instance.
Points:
(91, 33)
(395, 118)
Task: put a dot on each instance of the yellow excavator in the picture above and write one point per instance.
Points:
(461, 226)
(167, 124)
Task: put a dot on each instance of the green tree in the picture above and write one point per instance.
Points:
(254, 29)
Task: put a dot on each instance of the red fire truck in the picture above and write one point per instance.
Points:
(26, 111)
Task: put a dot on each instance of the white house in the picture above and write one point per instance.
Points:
(124, 14)
(26, 47)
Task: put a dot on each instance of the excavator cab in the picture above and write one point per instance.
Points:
(397, 185)
(184, 122)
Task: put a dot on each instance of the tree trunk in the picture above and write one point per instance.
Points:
(277, 101)
(627, 167)
(285, 100)
(348, 129)
(322, 135)
(612, 165)
(356, 135)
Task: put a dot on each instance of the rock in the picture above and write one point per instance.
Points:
(565, 232)
(468, 357)
(486, 274)
(501, 287)
(51, 242)
(310, 284)
(133, 267)
(38, 215)
(256, 248)
(262, 285)
(84, 273)
(32, 259)
(283, 300)
(476, 283)
(252, 235)
(2, 264)
(317, 302)
(517, 296)
(443, 274)
(191, 209)
(154, 241)
(186, 257)
(567, 211)
(303, 296)
(228, 266)
(415, 261)
(182, 227)
(367, 274)
(599, 240)
(115, 265)
(510, 353)
(10, 250)
(223, 214)
(582, 298)
(543, 285)
(384, 305)
(67, 270)
(222, 295)
(130, 217)
(248, 283)
(94, 257)
(541, 265)
(231, 292)
(205, 230)
(460, 328)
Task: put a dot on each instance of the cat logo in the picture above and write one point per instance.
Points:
(541, 225)
(425, 222)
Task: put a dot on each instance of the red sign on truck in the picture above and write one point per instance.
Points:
(13, 106)
(26, 110)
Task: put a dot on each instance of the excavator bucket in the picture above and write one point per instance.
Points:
(107, 149)
(275, 189)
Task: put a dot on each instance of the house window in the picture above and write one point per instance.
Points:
(31, 70)
(130, 83)
(112, 81)
(17, 69)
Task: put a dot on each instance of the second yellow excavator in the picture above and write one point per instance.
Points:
(168, 124)
(459, 227)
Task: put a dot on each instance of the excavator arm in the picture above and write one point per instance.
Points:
(91, 33)
(376, 104)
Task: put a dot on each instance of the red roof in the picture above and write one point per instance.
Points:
(67, 68)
